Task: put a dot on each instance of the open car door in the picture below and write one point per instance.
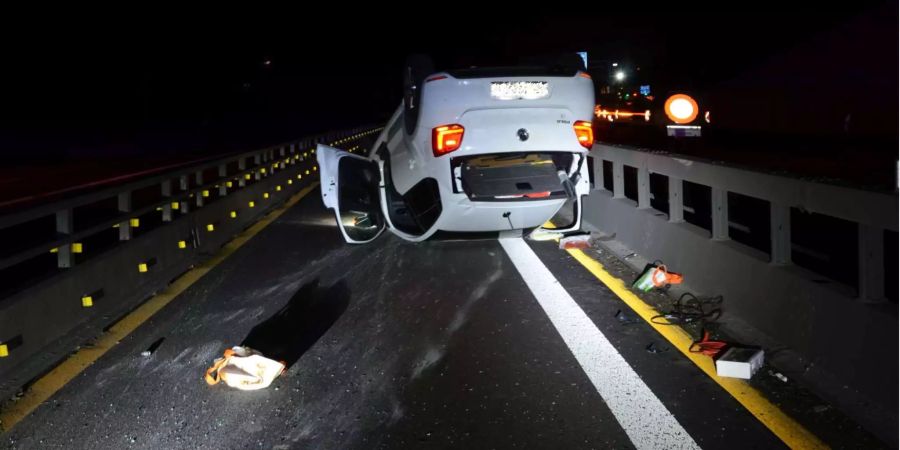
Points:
(349, 185)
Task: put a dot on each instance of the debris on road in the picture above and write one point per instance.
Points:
(656, 275)
(707, 346)
(540, 234)
(244, 368)
(688, 308)
(624, 318)
(779, 375)
(575, 241)
(739, 362)
(152, 348)
(652, 348)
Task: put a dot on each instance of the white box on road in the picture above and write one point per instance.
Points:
(738, 362)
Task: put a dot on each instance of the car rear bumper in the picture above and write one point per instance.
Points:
(463, 215)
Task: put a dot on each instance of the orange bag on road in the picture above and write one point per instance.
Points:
(245, 369)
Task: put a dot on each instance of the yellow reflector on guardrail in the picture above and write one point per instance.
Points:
(87, 301)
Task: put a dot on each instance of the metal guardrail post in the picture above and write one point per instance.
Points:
(166, 188)
(780, 217)
(242, 167)
(618, 179)
(643, 180)
(64, 226)
(598, 173)
(719, 214)
(124, 201)
(676, 200)
(223, 186)
(184, 184)
(871, 263)
(198, 177)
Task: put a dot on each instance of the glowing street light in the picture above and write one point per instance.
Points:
(620, 75)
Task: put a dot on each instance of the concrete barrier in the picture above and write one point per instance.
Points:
(840, 340)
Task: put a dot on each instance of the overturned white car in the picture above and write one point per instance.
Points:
(472, 150)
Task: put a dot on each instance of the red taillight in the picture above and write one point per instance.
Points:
(585, 133)
(446, 138)
(435, 78)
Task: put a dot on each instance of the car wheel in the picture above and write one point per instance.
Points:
(414, 72)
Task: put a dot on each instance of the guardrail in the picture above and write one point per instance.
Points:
(114, 247)
(757, 239)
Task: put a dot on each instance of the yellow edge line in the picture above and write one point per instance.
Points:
(787, 429)
(49, 384)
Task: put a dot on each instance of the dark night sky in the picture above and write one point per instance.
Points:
(146, 84)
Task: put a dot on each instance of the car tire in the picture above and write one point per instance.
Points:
(415, 70)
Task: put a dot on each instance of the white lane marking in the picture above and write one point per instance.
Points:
(641, 414)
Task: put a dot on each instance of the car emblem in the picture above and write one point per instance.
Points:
(523, 134)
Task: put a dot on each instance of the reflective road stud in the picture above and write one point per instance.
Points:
(135, 222)
(4, 351)
(265, 195)
(290, 181)
(210, 227)
(87, 301)
(233, 214)
(77, 247)
(142, 267)
(278, 188)
(251, 204)
(206, 193)
(182, 244)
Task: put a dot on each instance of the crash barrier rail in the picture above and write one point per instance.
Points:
(113, 248)
(769, 244)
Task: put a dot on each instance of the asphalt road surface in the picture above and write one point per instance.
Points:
(394, 345)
